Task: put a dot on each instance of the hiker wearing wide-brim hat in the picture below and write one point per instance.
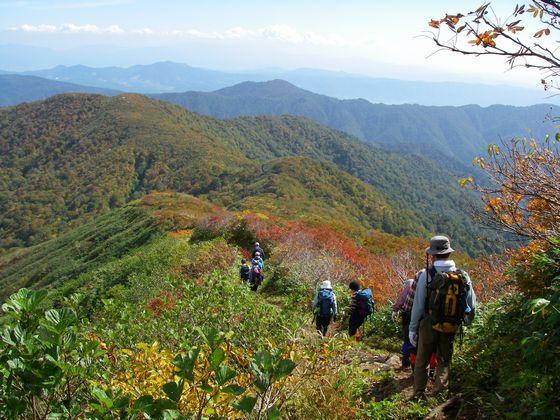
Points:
(439, 245)
(433, 324)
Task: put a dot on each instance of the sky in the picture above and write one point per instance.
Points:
(378, 38)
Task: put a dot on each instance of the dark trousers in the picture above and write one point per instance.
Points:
(255, 282)
(322, 323)
(354, 323)
(406, 346)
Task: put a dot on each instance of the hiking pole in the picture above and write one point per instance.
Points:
(314, 318)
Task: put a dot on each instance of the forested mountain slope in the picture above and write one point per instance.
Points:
(15, 89)
(77, 155)
(458, 132)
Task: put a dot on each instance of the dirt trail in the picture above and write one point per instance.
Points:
(400, 381)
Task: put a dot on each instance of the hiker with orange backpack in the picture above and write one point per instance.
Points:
(443, 302)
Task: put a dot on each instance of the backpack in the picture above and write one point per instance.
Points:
(325, 302)
(256, 275)
(365, 302)
(257, 262)
(447, 299)
(244, 272)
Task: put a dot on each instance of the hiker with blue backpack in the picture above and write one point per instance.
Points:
(256, 276)
(361, 306)
(257, 260)
(324, 306)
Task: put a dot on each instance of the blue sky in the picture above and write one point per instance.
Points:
(364, 36)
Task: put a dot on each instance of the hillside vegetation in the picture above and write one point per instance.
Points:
(74, 156)
(456, 132)
(150, 319)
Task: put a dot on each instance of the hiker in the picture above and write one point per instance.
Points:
(408, 350)
(361, 306)
(324, 306)
(257, 260)
(256, 276)
(443, 302)
(258, 249)
(402, 307)
(244, 271)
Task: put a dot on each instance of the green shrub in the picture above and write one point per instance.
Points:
(509, 362)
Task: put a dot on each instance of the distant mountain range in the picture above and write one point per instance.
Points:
(458, 132)
(15, 89)
(176, 77)
(73, 156)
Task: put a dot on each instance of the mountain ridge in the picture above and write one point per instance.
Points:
(458, 132)
(80, 155)
(15, 89)
(177, 77)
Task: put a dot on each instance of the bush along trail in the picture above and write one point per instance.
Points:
(170, 329)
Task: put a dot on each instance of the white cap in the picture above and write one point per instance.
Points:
(325, 285)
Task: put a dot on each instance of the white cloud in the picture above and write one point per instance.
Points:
(144, 31)
(35, 28)
(68, 4)
(69, 28)
(282, 33)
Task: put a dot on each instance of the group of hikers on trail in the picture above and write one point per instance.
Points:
(253, 274)
(326, 310)
(432, 307)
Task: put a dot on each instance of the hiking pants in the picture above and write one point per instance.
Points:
(406, 346)
(322, 323)
(430, 341)
(354, 323)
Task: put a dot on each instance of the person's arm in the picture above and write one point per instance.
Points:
(353, 305)
(315, 300)
(419, 302)
(334, 306)
(470, 310)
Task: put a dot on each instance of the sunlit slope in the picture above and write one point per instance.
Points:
(73, 156)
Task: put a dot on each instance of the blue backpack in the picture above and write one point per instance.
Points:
(325, 302)
(365, 302)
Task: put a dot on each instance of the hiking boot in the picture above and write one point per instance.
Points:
(405, 363)
(419, 396)
(431, 373)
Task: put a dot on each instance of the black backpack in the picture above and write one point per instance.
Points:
(447, 299)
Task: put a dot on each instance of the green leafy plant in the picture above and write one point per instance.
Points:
(45, 361)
